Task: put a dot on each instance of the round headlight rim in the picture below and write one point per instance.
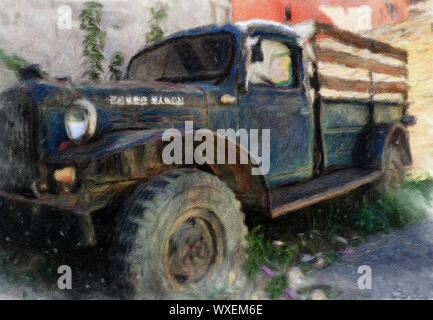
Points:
(91, 120)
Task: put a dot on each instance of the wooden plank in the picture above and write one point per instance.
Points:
(358, 41)
(340, 84)
(353, 61)
(292, 198)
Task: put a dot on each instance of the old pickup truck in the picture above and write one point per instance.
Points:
(75, 157)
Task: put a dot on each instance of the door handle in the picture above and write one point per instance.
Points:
(305, 111)
(228, 99)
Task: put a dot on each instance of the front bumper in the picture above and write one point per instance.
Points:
(45, 223)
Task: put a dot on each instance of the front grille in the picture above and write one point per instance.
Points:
(18, 141)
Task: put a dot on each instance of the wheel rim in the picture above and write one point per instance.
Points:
(194, 248)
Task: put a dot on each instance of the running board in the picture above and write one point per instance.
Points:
(292, 198)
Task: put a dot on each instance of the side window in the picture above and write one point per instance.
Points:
(271, 63)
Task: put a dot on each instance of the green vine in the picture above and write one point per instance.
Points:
(13, 62)
(94, 40)
(158, 16)
(114, 68)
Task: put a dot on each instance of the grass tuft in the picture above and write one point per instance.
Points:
(398, 209)
(353, 216)
(276, 286)
(261, 251)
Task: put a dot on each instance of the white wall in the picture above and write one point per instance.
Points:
(7, 78)
(30, 28)
(354, 19)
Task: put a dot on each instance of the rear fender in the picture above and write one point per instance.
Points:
(372, 142)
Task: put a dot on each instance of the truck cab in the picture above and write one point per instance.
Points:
(252, 81)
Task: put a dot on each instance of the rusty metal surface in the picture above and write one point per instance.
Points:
(104, 178)
(111, 144)
(57, 202)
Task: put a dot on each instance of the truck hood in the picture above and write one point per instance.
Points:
(148, 105)
(127, 105)
(144, 94)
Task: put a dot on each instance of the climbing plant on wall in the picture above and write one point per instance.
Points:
(12, 62)
(94, 40)
(114, 68)
(158, 16)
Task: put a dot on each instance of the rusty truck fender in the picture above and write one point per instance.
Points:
(123, 147)
(373, 140)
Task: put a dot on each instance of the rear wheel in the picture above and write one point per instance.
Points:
(182, 234)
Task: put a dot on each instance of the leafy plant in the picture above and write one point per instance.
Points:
(260, 251)
(94, 40)
(330, 257)
(114, 68)
(398, 209)
(372, 219)
(276, 286)
(358, 214)
(365, 212)
(13, 62)
(158, 15)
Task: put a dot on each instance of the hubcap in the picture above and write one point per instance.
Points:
(194, 247)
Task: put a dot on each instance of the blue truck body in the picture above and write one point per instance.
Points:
(311, 136)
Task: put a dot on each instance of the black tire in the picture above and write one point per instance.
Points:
(180, 235)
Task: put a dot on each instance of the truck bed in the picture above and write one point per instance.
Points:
(355, 82)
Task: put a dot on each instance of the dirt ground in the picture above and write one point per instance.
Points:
(401, 265)
(401, 262)
(27, 273)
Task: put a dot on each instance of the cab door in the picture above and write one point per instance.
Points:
(275, 99)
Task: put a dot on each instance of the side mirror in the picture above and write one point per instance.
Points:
(408, 120)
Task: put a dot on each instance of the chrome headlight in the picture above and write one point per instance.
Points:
(81, 121)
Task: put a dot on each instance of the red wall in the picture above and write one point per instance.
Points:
(309, 9)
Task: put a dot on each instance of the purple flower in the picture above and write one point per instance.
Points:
(290, 294)
(268, 271)
(346, 252)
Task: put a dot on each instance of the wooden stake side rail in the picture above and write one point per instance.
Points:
(350, 60)
(362, 86)
(353, 61)
(355, 40)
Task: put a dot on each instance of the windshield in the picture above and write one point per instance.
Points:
(186, 59)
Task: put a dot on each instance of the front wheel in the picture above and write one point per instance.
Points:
(182, 234)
